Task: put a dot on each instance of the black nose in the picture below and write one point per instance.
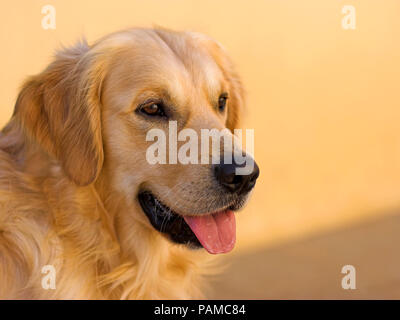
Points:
(226, 175)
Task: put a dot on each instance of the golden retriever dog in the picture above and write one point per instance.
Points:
(77, 192)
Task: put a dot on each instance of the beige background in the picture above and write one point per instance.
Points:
(325, 106)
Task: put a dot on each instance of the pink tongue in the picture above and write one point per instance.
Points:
(216, 232)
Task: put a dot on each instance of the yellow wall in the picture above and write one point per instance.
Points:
(324, 102)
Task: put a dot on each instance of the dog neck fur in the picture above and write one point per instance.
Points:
(48, 220)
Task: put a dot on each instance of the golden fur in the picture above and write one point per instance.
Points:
(71, 160)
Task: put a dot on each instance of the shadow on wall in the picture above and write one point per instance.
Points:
(311, 268)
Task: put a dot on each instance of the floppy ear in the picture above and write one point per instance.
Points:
(236, 101)
(59, 109)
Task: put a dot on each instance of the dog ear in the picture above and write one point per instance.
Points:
(236, 101)
(60, 110)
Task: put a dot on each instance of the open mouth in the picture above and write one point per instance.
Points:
(216, 232)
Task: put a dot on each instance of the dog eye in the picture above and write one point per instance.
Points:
(152, 109)
(222, 102)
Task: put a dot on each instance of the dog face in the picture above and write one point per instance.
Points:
(93, 110)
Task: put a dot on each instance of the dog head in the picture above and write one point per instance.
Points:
(92, 110)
